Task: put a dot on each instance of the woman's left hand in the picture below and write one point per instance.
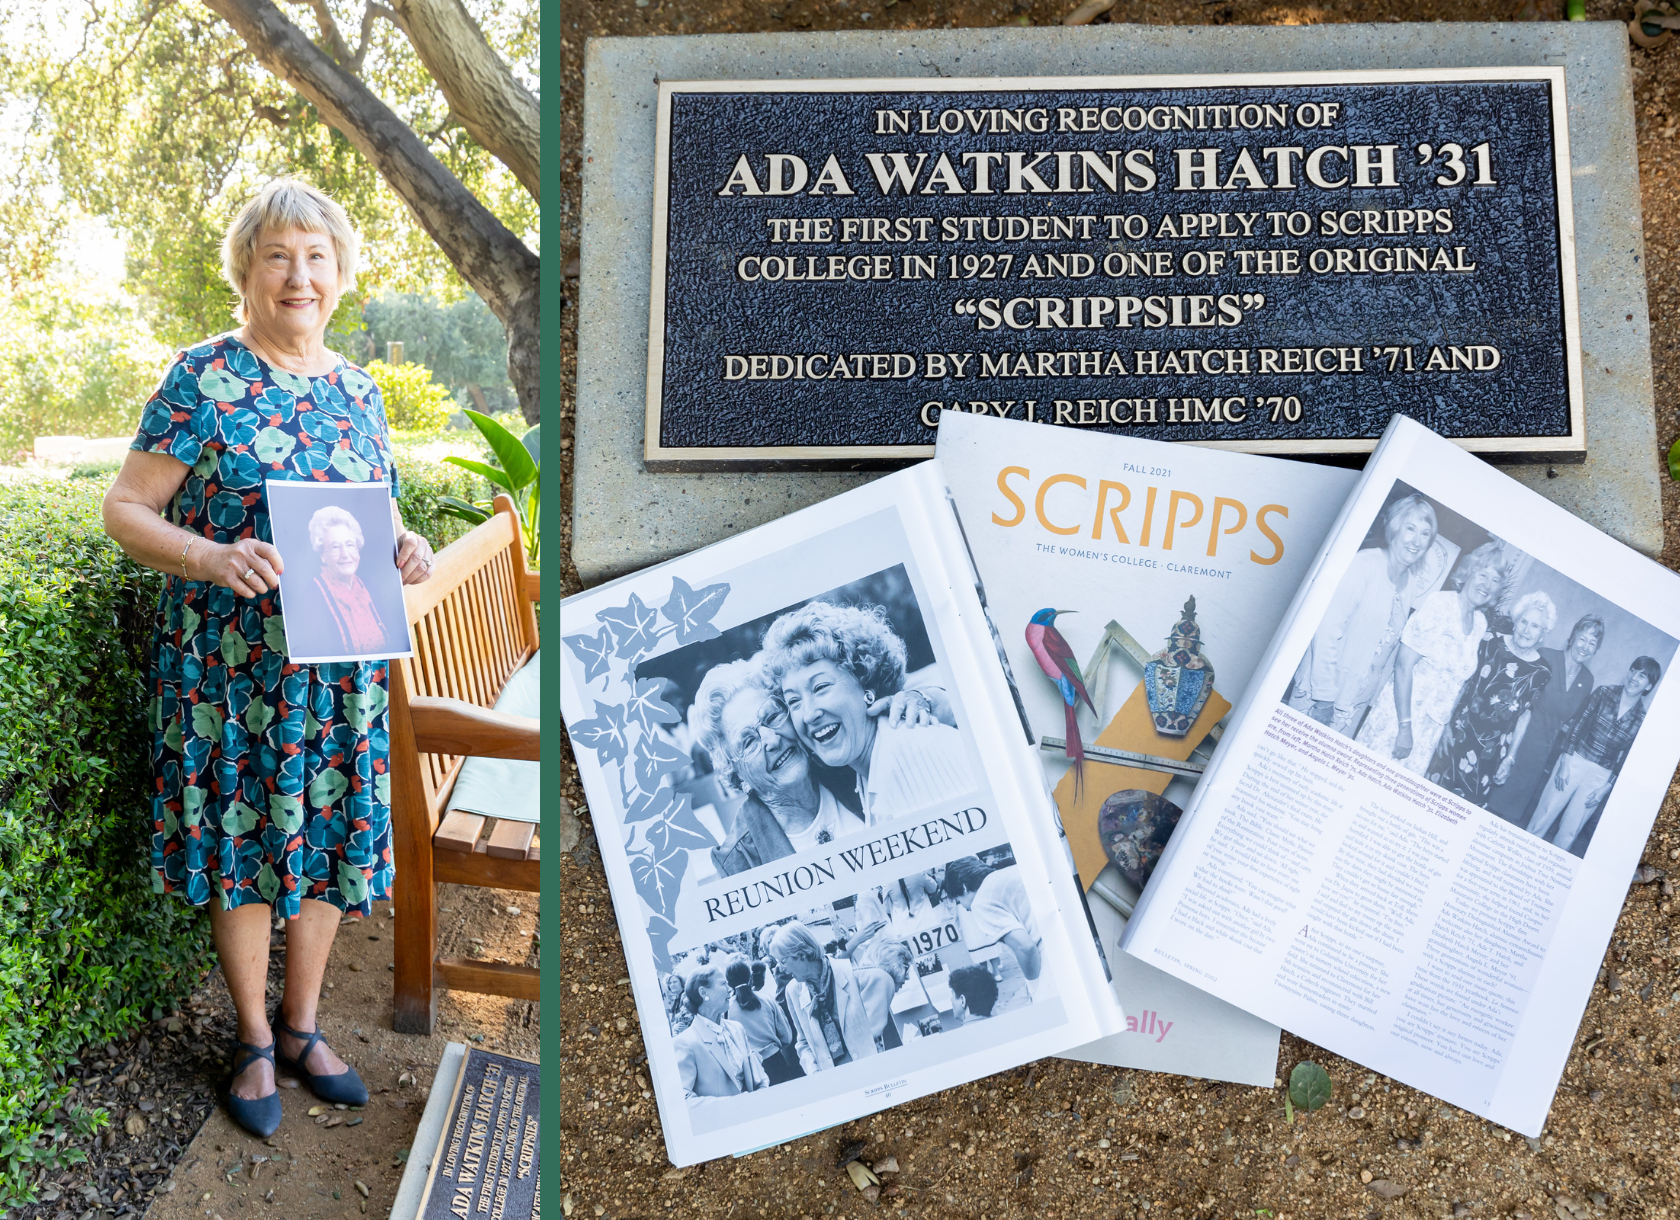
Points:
(414, 557)
(907, 709)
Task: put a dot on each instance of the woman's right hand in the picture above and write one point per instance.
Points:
(248, 567)
(1403, 741)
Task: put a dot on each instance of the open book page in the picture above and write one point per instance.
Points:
(824, 913)
(1413, 853)
(1115, 543)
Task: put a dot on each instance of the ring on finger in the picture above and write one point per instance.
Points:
(249, 572)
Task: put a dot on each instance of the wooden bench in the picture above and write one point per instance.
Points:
(474, 626)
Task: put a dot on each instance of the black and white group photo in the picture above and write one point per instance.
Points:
(803, 726)
(933, 951)
(1463, 659)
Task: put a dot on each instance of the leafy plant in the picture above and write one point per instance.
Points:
(1309, 1089)
(1674, 460)
(519, 474)
(414, 402)
(87, 950)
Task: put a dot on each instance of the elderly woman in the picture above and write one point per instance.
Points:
(1479, 745)
(747, 732)
(831, 664)
(831, 1024)
(265, 794)
(882, 969)
(1437, 654)
(1352, 651)
(335, 601)
(714, 1057)
(1564, 696)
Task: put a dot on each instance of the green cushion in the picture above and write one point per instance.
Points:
(507, 788)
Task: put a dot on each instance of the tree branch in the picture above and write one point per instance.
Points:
(336, 46)
(490, 258)
(496, 109)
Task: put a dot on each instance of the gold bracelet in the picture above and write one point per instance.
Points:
(184, 551)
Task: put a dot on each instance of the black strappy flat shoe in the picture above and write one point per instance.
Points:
(258, 1115)
(346, 1088)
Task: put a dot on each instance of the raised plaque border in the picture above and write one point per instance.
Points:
(658, 457)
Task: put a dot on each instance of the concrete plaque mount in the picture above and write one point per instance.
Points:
(626, 517)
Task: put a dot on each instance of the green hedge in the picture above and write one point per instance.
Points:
(422, 483)
(87, 951)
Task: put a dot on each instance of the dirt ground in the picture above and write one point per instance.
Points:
(1063, 1140)
(161, 1083)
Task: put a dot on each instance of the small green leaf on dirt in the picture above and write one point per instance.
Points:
(1309, 1088)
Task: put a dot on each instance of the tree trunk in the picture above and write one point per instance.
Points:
(496, 109)
(486, 254)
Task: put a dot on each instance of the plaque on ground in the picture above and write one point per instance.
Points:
(486, 1159)
(1274, 263)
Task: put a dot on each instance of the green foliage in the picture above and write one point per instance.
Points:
(1674, 460)
(413, 401)
(519, 474)
(87, 951)
(157, 116)
(1309, 1089)
(425, 487)
(70, 369)
(461, 342)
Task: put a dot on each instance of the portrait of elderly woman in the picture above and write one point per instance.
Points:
(1352, 652)
(831, 664)
(339, 605)
(264, 803)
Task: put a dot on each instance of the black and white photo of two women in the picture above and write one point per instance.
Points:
(1469, 663)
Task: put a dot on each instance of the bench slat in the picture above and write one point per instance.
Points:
(512, 840)
(458, 831)
(490, 978)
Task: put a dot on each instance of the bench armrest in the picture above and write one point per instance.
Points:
(453, 726)
(533, 586)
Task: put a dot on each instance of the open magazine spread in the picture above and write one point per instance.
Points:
(1119, 545)
(1414, 841)
(834, 863)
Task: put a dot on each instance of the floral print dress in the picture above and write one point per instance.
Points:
(271, 778)
(1477, 738)
(1447, 657)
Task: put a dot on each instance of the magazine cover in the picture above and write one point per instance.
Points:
(1134, 586)
(341, 590)
(834, 865)
(1415, 841)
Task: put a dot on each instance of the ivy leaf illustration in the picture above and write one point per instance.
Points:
(660, 931)
(658, 878)
(691, 611)
(681, 831)
(647, 708)
(639, 805)
(655, 758)
(635, 627)
(607, 734)
(595, 651)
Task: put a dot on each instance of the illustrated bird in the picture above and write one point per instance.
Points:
(1056, 659)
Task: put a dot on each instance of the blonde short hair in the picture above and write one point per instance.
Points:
(325, 519)
(287, 203)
